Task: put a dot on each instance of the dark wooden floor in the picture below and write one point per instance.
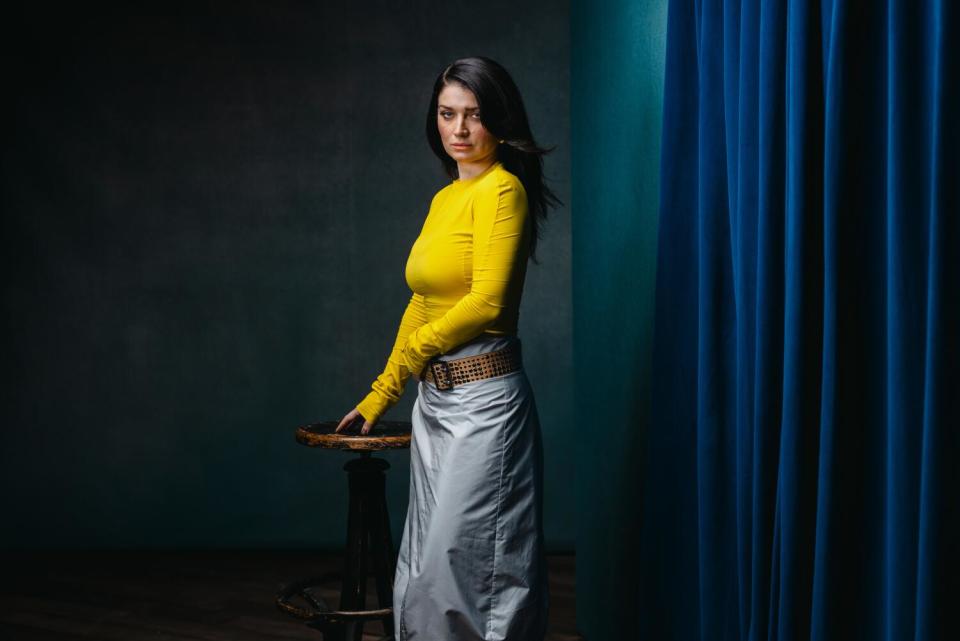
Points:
(167, 596)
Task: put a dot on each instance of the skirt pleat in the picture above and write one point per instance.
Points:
(471, 564)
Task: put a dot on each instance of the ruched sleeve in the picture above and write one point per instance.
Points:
(389, 385)
(499, 250)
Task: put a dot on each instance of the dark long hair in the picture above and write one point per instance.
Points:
(504, 116)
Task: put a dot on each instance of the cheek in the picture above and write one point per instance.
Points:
(482, 135)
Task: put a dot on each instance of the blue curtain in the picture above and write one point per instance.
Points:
(803, 472)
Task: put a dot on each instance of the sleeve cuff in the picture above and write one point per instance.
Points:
(372, 407)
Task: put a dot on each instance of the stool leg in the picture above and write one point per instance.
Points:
(368, 532)
(381, 544)
(354, 589)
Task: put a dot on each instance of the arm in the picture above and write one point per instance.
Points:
(499, 246)
(389, 385)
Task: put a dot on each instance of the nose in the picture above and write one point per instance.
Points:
(461, 128)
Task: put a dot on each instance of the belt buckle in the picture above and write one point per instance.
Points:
(446, 381)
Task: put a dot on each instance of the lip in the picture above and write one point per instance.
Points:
(459, 145)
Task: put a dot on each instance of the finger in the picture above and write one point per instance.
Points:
(366, 428)
(349, 419)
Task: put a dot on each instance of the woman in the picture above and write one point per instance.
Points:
(471, 562)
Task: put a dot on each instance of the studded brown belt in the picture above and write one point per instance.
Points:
(445, 375)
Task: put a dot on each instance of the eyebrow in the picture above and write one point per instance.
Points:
(452, 109)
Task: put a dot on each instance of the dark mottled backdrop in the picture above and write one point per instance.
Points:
(206, 216)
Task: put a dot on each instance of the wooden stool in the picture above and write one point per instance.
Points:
(368, 532)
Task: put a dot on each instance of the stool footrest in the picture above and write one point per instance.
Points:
(346, 616)
(321, 612)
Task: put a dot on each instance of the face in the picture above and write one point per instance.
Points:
(464, 137)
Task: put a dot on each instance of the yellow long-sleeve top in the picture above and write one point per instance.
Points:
(466, 271)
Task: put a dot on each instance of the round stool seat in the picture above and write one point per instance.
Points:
(385, 435)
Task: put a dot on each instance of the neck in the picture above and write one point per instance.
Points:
(471, 169)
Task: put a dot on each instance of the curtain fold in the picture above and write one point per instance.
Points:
(801, 478)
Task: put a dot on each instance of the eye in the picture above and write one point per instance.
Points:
(446, 114)
(476, 115)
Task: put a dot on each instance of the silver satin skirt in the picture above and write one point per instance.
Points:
(471, 565)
